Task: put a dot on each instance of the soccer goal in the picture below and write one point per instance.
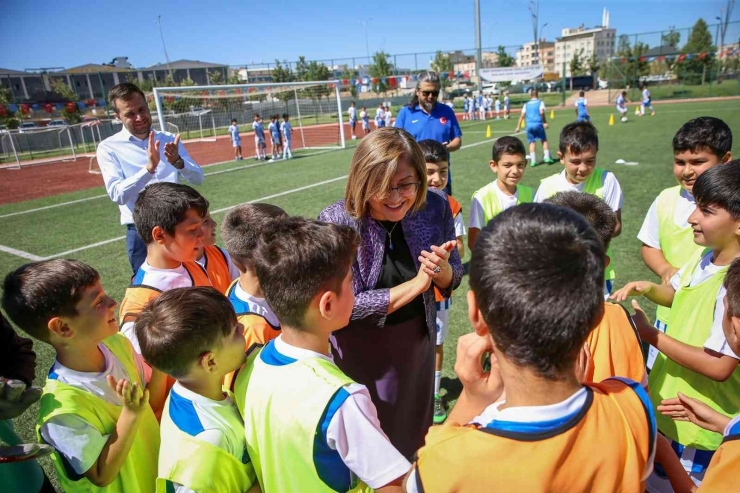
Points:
(38, 146)
(9, 157)
(203, 115)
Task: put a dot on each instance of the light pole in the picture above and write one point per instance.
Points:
(166, 56)
(534, 9)
(478, 51)
(540, 36)
(367, 43)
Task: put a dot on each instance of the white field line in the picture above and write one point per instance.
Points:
(20, 253)
(30, 256)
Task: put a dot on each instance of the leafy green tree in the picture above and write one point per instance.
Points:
(60, 87)
(380, 68)
(671, 38)
(349, 75)
(301, 69)
(593, 64)
(695, 70)
(576, 64)
(216, 77)
(187, 81)
(442, 64)
(282, 73)
(504, 59)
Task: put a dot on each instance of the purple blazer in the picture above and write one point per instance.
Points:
(432, 225)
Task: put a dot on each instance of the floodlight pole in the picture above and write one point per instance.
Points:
(478, 50)
(166, 56)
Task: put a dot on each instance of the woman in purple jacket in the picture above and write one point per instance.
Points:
(407, 246)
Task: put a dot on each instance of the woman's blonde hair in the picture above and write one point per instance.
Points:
(375, 163)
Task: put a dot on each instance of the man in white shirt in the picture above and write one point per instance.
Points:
(137, 156)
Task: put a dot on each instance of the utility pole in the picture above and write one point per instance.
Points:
(367, 43)
(478, 50)
(166, 56)
(534, 9)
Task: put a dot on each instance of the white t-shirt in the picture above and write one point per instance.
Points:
(73, 437)
(650, 231)
(355, 427)
(233, 270)
(459, 225)
(388, 116)
(477, 215)
(222, 424)
(234, 131)
(161, 279)
(612, 191)
(716, 341)
(352, 112)
(257, 305)
(530, 414)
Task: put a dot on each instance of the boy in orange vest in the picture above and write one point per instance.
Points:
(169, 218)
(614, 346)
(240, 230)
(438, 166)
(530, 420)
(214, 259)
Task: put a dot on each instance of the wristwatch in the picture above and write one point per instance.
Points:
(179, 164)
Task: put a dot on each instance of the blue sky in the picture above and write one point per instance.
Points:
(51, 33)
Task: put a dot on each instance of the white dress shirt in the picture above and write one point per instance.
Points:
(123, 157)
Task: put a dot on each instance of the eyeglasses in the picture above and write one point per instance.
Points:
(426, 94)
(405, 190)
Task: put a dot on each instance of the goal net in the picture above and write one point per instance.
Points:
(36, 146)
(203, 115)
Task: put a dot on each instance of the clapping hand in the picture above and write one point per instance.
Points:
(171, 150)
(15, 398)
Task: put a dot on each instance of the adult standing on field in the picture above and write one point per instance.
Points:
(425, 119)
(137, 156)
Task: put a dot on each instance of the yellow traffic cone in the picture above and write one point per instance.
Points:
(552, 114)
(611, 119)
(488, 132)
(637, 110)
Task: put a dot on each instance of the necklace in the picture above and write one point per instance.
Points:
(389, 233)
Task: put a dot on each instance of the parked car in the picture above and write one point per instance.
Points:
(26, 126)
(91, 119)
(58, 123)
(457, 93)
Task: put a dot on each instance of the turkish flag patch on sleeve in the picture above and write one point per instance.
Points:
(443, 121)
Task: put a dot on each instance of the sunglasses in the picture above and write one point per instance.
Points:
(426, 94)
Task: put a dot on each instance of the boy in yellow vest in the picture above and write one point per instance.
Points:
(240, 230)
(308, 426)
(215, 260)
(169, 218)
(192, 335)
(721, 474)
(579, 143)
(95, 410)
(508, 161)
(529, 423)
(696, 359)
(666, 235)
(437, 162)
(614, 346)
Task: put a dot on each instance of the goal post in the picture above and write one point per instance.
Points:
(203, 115)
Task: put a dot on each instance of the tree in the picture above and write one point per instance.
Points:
(283, 74)
(60, 87)
(216, 77)
(504, 59)
(671, 38)
(593, 64)
(442, 64)
(317, 71)
(576, 64)
(301, 69)
(349, 75)
(187, 81)
(380, 68)
(694, 70)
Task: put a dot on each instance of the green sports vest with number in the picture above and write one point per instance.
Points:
(676, 242)
(594, 186)
(283, 408)
(138, 473)
(492, 204)
(199, 465)
(692, 315)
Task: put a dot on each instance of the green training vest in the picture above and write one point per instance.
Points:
(284, 406)
(692, 315)
(676, 242)
(199, 465)
(594, 186)
(492, 205)
(139, 471)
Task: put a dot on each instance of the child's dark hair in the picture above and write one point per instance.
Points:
(181, 324)
(256, 115)
(242, 227)
(720, 186)
(39, 291)
(578, 137)
(165, 205)
(434, 152)
(704, 133)
(507, 145)
(732, 285)
(233, 120)
(296, 258)
(539, 312)
(601, 217)
(581, 94)
(285, 116)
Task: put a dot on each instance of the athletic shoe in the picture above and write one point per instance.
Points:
(23, 451)
(440, 415)
(532, 164)
(548, 160)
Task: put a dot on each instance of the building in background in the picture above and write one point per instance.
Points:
(599, 40)
(525, 56)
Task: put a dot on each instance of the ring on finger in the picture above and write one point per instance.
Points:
(437, 269)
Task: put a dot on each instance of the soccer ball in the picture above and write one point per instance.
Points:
(624, 119)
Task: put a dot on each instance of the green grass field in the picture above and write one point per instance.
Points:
(50, 232)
